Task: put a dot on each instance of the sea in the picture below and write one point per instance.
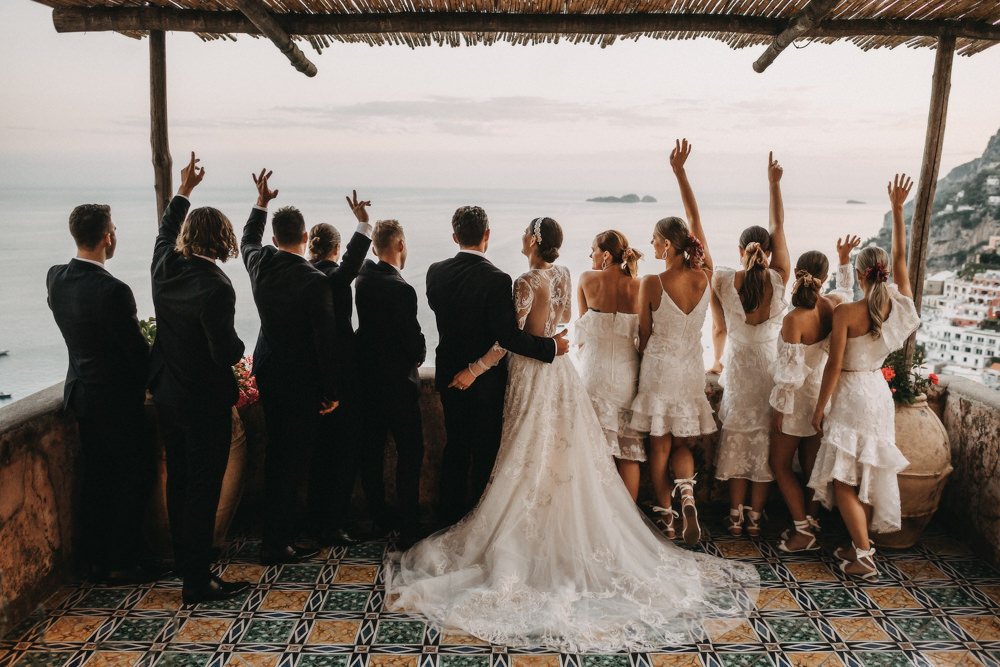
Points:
(36, 236)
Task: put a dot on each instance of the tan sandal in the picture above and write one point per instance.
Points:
(668, 515)
(734, 522)
(802, 528)
(753, 522)
(862, 566)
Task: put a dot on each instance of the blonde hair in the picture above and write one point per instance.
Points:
(386, 233)
(208, 232)
(676, 231)
(615, 243)
(871, 264)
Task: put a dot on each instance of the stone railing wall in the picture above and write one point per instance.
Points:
(39, 460)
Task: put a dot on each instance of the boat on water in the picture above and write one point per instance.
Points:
(4, 394)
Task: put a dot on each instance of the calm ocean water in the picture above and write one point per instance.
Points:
(34, 222)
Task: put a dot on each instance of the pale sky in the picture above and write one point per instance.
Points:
(74, 110)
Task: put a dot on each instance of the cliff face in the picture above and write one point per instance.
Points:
(962, 217)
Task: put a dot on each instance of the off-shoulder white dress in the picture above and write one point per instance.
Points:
(859, 436)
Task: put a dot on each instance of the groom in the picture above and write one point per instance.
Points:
(472, 302)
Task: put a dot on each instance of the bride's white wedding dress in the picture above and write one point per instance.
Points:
(556, 554)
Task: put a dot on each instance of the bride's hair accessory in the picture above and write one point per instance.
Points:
(877, 273)
(537, 230)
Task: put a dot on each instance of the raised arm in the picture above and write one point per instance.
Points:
(678, 157)
(899, 190)
(253, 231)
(834, 364)
(843, 282)
(780, 261)
(173, 215)
(357, 247)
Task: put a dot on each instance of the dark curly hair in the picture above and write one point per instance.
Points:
(208, 232)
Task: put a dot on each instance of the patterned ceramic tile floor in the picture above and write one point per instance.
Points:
(934, 604)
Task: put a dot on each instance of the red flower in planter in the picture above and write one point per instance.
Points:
(933, 378)
(888, 374)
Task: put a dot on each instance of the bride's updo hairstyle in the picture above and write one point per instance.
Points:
(872, 264)
(755, 241)
(549, 237)
(323, 238)
(615, 243)
(810, 271)
(676, 231)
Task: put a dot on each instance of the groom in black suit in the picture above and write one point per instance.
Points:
(295, 362)
(105, 387)
(474, 308)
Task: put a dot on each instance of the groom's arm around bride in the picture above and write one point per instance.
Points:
(471, 300)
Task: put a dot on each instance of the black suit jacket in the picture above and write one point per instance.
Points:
(108, 355)
(296, 357)
(196, 343)
(341, 276)
(474, 307)
(389, 338)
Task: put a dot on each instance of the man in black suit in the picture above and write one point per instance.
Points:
(295, 362)
(105, 387)
(191, 377)
(473, 305)
(392, 347)
(339, 442)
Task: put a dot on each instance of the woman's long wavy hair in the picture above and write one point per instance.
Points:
(755, 242)
(872, 264)
(615, 243)
(208, 232)
(676, 231)
(810, 272)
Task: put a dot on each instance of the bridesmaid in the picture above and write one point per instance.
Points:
(858, 460)
(802, 350)
(671, 404)
(747, 307)
(607, 329)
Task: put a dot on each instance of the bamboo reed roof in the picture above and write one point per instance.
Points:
(749, 22)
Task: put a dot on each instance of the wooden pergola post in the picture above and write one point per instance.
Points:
(158, 139)
(933, 142)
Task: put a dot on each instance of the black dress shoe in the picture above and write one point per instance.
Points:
(339, 537)
(286, 555)
(215, 589)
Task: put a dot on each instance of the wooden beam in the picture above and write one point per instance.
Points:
(924, 202)
(805, 20)
(158, 139)
(141, 19)
(263, 21)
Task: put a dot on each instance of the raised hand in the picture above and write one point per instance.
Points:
(774, 170)
(899, 189)
(326, 407)
(191, 176)
(358, 207)
(845, 247)
(264, 193)
(679, 155)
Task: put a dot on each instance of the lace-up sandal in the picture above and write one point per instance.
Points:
(848, 552)
(734, 522)
(862, 566)
(802, 528)
(753, 522)
(814, 524)
(691, 530)
(668, 515)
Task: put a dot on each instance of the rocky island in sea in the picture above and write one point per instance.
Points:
(624, 199)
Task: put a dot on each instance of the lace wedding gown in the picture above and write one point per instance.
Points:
(556, 554)
(859, 432)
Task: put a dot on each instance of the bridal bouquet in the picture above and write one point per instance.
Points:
(246, 382)
(904, 379)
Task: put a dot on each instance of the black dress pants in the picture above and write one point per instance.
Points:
(334, 467)
(118, 468)
(473, 422)
(393, 407)
(197, 442)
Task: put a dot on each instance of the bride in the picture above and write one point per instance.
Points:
(556, 554)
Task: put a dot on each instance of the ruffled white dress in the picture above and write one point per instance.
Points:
(746, 381)
(671, 397)
(859, 433)
(798, 370)
(608, 362)
(556, 554)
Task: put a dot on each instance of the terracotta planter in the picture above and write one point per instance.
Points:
(157, 525)
(923, 440)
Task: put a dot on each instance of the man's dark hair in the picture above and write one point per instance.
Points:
(470, 224)
(89, 223)
(207, 232)
(288, 225)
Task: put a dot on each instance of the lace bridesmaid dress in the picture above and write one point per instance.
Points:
(671, 397)
(859, 435)
(746, 381)
(798, 370)
(556, 554)
(609, 367)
